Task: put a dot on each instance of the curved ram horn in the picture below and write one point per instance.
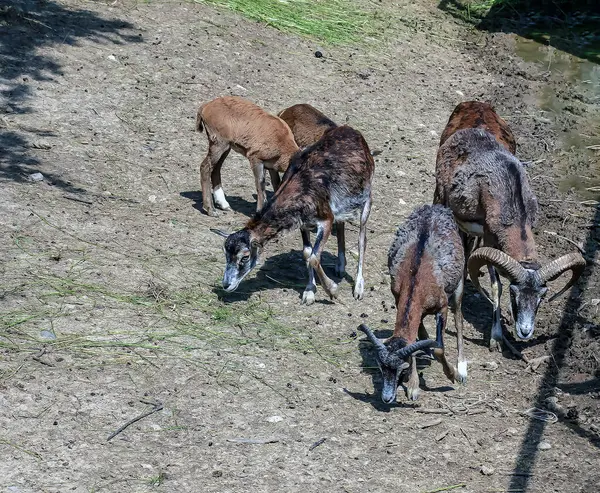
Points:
(378, 343)
(405, 352)
(220, 232)
(372, 337)
(505, 264)
(572, 261)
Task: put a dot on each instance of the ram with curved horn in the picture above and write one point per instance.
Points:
(426, 262)
(487, 189)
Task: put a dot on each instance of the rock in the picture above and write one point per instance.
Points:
(274, 419)
(112, 58)
(318, 54)
(402, 202)
(46, 334)
(35, 177)
(490, 366)
(544, 446)
(487, 471)
(460, 93)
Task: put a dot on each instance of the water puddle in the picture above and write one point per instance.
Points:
(579, 146)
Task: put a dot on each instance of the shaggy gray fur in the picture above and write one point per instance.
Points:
(432, 230)
(488, 164)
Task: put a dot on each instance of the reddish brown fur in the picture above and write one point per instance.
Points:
(426, 298)
(474, 114)
(307, 123)
(234, 123)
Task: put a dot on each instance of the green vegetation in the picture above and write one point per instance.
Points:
(569, 25)
(331, 21)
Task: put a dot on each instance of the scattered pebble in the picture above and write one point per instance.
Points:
(152, 198)
(490, 366)
(487, 471)
(275, 419)
(112, 58)
(46, 334)
(460, 93)
(35, 177)
(402, 202)
(544, 446)
(318, 54)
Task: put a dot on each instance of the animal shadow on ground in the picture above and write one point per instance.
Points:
(238, 204)
(477, 311)
(369, 364)
(27, 26)
(284, 270)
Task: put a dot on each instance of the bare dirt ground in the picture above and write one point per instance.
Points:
(110, 298)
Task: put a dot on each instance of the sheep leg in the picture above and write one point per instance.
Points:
(340, 266)
(308, 296)
(217, 152)
(323, 232)
(458, 325)
(275, 179)
(412, 385)
(258, 168)
(359, 284)
(217, 187)
(439, 353)
(496, 336)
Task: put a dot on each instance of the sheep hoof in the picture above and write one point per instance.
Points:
(211, 212)
(495, 345)
(308, 297)
(413, 393)
(359, 289)
(461, 375)
(332, 290)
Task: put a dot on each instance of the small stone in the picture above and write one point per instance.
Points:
(274, 419)
(35, 177)
(152, 198)
(490, 366)
(460, 93)
(112, 58)
(487, 471)
(318, 54)
(544, 446)
(217, 474)
(46, 334)
(402, 202)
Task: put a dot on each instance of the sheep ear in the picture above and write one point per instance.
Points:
(220, 233)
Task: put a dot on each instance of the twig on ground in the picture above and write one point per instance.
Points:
(430, 424)
(156, 406)
(321, 441)
(38, 357)
(554, 233)
(425, 410)
(253, 441)
(447, 488)
(442, 435)
(75, 199)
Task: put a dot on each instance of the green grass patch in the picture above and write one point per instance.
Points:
(332, 21)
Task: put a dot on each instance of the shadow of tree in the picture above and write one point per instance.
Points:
(529, 450)
(568, 25)
(27, 26)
